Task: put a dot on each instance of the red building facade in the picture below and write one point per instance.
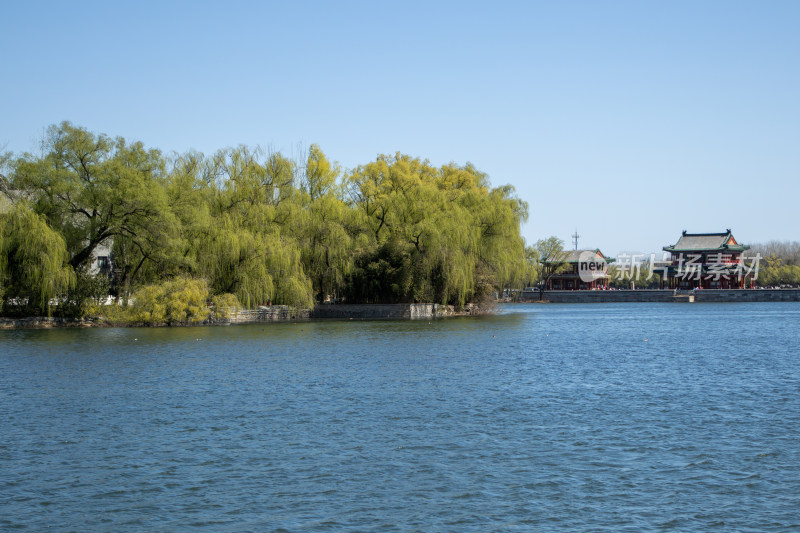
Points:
(581, 270)
(707, 261)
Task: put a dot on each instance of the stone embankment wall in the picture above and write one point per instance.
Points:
(274, 313)
(43, 322)
(373, 311)
(649, 295)
(749, 295)
(279, 313)
(264, 313)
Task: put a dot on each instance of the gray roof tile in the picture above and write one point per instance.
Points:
(705, 241)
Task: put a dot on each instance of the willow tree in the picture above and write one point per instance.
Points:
(246, 248)
(550, 260)
(326, 228)
(442, 241)
(264, 227)
(91, 188)
(501, 248)
(372, 189)
(379, 192)
(190, 191)
(33, 261)
(259, 267)
(247, 176)
(458, 238)
(321, 176)
(96, 190)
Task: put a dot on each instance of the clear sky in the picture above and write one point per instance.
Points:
(628, 121)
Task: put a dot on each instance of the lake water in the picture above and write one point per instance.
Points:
(601, 417)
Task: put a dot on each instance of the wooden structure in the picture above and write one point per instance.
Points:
(706, 261)
(580, 270)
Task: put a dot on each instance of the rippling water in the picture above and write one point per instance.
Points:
(618, 417)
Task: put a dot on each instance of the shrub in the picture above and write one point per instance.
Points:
(224, 304)
(181, 301)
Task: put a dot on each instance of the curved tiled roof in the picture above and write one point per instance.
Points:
(696, 242)
(573, 256)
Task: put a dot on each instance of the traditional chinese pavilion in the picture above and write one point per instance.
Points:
(706, 261)
(592, 263)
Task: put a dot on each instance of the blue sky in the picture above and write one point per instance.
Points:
(629, 121)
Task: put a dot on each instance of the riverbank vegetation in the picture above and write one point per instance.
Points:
(779, 264)
(90, 216)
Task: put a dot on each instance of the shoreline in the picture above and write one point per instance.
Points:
(269, 314)
(664, 296)
(279, 313)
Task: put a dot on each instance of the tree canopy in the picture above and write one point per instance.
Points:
(778, 264)
(249, 222)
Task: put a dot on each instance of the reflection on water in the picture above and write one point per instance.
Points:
(602, 417)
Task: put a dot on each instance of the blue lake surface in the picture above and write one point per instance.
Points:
(599, 417)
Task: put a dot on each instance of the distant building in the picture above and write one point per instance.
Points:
(584, 270)
(706, 261)
(101, 264)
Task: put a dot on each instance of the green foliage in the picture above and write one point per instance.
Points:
(531, 273)
(115, 314)
(433, 232)
(548, 257)
(225, 305)
(180, 301)
(326, 235)
(321, 176)
(259, 267)
(779, 264)
(33, 262)
(86, 296)
(773, 272)
(249, 223)
(92, 188)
